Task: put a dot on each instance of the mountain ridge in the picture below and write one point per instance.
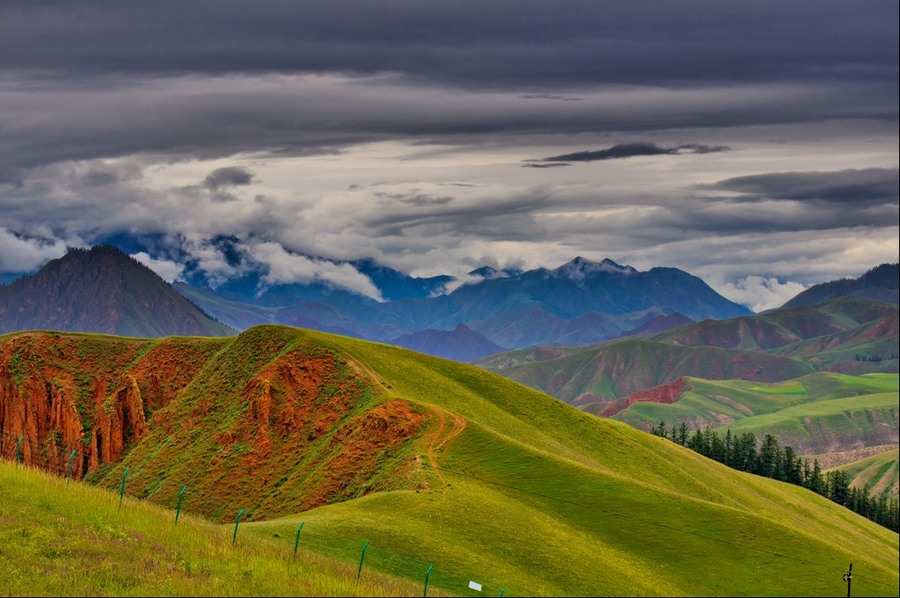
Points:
(581, 301)
(880, 283)
(101, 290)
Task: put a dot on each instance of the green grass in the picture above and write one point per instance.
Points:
(532, 496)
(880, 473)
(58, 539)
(815, 413)
(851, 419)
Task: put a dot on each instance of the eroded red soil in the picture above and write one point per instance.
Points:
(666, 393)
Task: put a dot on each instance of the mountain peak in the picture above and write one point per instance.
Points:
(104, 290)
(580, 267)
(484, 272)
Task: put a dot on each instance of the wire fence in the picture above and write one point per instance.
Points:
(59, 458)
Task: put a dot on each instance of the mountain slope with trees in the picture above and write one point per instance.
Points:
(880, 283)
(101, 290)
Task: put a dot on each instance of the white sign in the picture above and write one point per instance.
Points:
(474, 585)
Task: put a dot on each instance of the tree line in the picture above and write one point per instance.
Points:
(743, 452)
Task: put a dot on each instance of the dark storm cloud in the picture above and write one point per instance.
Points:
(631, 150)
(205, 118)
(108, 111)
(530, 43)
(229, 176)
(870, 186)
(106, 79)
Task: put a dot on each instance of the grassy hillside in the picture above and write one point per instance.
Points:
(782, 407)
(828, 424)
(591, 377)
(75, 539)
(880, 473)
(851, 335)
(436, 462)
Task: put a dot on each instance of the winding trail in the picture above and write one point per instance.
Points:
(449, 425)
(441, 437)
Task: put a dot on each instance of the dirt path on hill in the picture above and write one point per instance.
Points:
(440, 437)
(449, 425)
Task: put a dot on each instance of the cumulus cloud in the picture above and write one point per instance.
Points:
(283, 267)
(760, 293)
(21, 253)
(168, 270)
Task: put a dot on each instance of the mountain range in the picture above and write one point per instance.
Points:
(429, 458)
(103, 290)
(851, 335)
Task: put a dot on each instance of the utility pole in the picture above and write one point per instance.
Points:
(848, 577)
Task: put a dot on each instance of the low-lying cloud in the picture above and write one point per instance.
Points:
(21, 253)
(761, 293)
(168, 270)
(283, 267)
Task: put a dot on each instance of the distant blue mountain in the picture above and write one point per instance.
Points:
(579, 302)
(881, 283)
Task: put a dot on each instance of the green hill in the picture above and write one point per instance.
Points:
(433, 462)
(851, 335)
(817, 413)
(593, 376)
(75, 539)
(880, 473)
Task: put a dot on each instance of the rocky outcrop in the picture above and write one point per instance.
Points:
(266, 419)
(665, 393)
(79, 402)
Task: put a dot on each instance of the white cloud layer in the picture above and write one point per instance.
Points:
(23, 254)
(284, 268)
(168, 270)
(759, 293)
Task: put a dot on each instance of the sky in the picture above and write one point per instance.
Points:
(752, 144)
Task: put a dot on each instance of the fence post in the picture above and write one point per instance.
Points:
(237, 520)
(427, 573)
(19, 451)
(848, 577)
(178, 508)
(69, 467)
(122, 489)
(362, 555)
(297, 539)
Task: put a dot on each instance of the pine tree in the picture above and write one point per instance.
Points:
(768, 457)
(682, 434)
(659, 430)
(729, 448)
(816, 481)
(791, 466)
